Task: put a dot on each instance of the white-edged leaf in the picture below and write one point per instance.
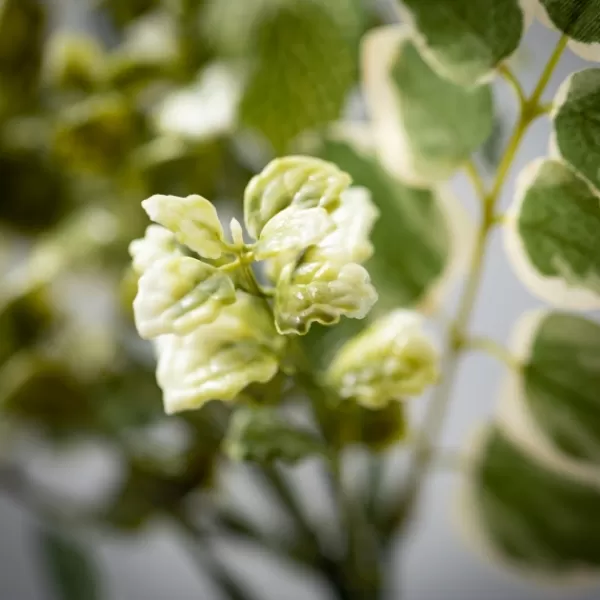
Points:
(533, 519)
(576, 120)
(425, 126)
(464, 40)
(178, 294)
(551, 235)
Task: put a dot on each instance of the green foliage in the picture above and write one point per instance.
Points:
(557, 215)
(530, 515)
(264, 436)
(69, 568)
(579, 19)
(576, 123)
(464, 40)
(561, 379)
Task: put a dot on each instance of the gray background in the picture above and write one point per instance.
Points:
(434, 564)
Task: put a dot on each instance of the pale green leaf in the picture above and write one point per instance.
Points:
(293, 230)
(69, 568)
(300, 181)
(157, 243)
(391, 359)
(178, 294)
(218, 360)
(262, 435)
(552, 235)
(315, 292)
(425, 126)
(528, 515)
(465, 40)
(576, 117)
(193, 220)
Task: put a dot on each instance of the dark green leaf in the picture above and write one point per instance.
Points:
(69, 567)
(579, 19)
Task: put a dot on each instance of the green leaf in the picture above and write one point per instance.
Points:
(377, 429)
(300, 181)
(413, 236)
(579, 19)
(552, 235)
(576, 117)
(529, 515)
(465, 40)
(555, 404)
(303, 68)
(69, 567)
(425, 126)
(263, 435)
(178, 294)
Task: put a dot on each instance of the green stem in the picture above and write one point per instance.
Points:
(439, 404)
(493, 348)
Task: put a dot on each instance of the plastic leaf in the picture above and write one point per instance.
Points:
(301, 181)
(391, 359)
(193, 220)
(465, 40)
(552, 235)
(262, 435)
(157, 243)
(293, 230)
(321, 293)
(576, 117)
(220, 359)
(178, 294)
(425, 126)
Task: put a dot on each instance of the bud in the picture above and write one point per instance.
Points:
(193, 220)
(178, 294)
(322, 293)
(294, 180)
(157, 243)
(218, 360)
(391, 359)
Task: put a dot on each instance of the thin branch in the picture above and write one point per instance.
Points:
(494, 349)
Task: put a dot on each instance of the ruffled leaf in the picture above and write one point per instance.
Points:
(389, 360)
(193, 220)
(294, 180)
(321, 293)
(178, 294)
(156, 244)
(293, 230)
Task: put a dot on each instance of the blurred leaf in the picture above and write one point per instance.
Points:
(576, 120)
(579, 19)
(123, 12)
(301, 73)
(22, 31)
(561, 378)
(465, 40)
(34, 192)
(530, 516)
(552, 235)
(97, 134)
(69, 567)
(23, 322)
(262, 435)
(426, 126)
(377, 429)
(44, 394)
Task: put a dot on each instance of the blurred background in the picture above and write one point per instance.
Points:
(103, 103)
